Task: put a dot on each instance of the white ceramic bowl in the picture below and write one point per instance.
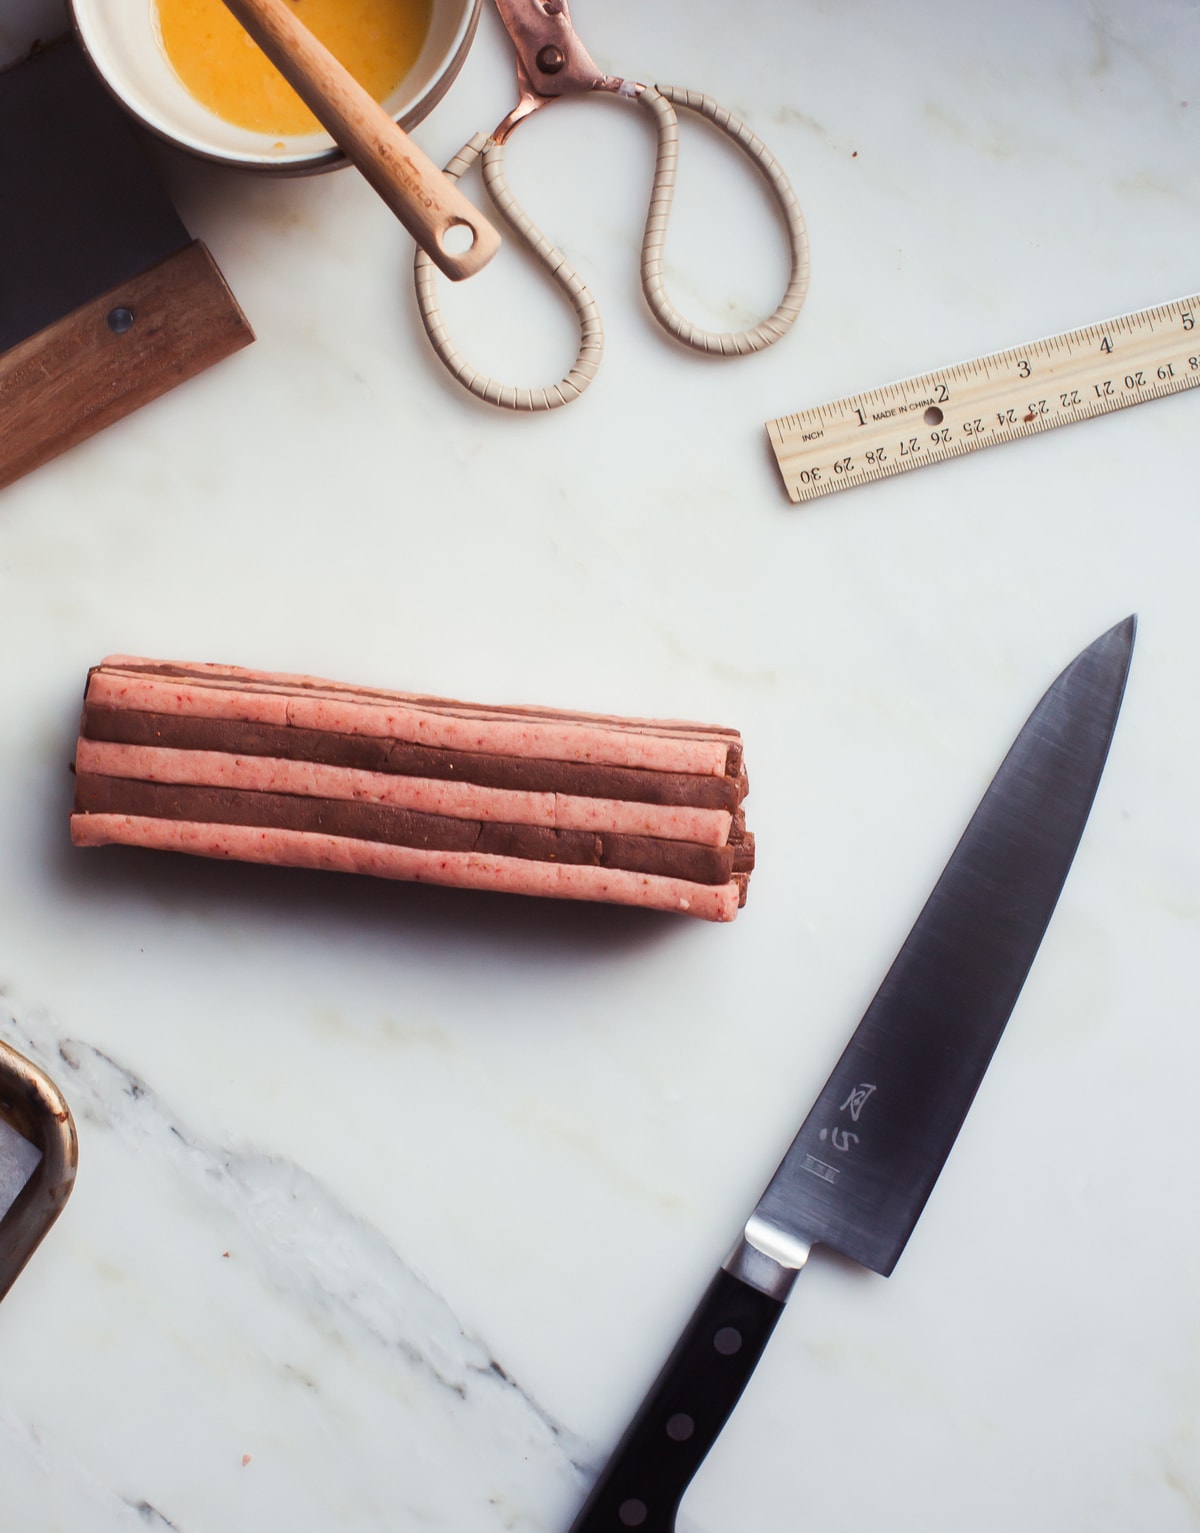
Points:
(121, 37)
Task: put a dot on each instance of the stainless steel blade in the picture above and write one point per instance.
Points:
(867, 1156)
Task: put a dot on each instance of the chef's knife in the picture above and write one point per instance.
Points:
(865, 1160)
(38, 1156)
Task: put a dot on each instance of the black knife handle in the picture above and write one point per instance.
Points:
(682, 1416)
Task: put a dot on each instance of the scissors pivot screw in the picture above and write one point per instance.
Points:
(550, 59)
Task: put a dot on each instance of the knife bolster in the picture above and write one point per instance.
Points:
(767, 1258)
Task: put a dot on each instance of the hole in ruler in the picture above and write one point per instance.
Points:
(934, 416)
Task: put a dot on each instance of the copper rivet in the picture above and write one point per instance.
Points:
(550, 59)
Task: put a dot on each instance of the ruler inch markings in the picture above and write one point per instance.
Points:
(1004, 396)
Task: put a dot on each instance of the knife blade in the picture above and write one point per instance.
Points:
(865, 1160)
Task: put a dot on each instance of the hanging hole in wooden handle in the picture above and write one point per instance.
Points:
(458, 239)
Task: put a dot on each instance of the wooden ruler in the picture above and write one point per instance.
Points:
(998, 398)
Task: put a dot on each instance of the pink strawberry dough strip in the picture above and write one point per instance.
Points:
(465, 870)
(462, 800)
(548, 739)
(278, 680)
(706, 827)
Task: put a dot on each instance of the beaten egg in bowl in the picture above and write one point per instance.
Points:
(186, 69)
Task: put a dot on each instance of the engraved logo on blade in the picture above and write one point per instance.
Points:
(839, 1138)
(857, 1100)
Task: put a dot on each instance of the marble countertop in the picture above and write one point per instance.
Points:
(391, 1200)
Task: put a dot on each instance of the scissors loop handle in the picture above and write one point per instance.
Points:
(591, 332)
(661, 101)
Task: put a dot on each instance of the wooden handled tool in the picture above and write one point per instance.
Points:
(425, 201)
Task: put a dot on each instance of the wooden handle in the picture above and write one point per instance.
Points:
(422, 198)
(97, 364)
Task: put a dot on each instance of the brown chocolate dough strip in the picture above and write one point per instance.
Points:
(269, 681)
(127, 726)
(400, 827)
(743, 853)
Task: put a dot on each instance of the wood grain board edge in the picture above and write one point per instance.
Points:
(78, 375)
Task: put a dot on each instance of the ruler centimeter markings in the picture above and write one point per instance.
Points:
(998, 398)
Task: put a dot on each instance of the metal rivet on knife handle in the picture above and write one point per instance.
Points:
(431, 207)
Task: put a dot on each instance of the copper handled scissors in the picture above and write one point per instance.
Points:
(552, 63)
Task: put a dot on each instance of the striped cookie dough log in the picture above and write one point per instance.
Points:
(225, 762)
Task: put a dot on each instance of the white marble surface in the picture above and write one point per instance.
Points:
(392, 1200)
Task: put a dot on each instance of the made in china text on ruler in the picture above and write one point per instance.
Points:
(998, 398)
